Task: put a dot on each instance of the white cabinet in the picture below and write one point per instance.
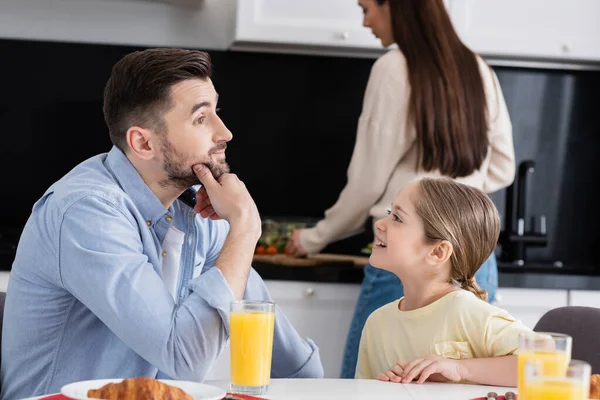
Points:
(333, 23)
(537, 29)
(4, 277)
(586, 298)
(165, 23)
(528, 305)
(319, 311)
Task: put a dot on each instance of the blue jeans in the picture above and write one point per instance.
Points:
(381, 287)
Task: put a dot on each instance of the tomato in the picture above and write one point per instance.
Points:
(272, 249)
(260, 249)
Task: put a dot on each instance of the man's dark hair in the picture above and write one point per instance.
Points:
(138, 90)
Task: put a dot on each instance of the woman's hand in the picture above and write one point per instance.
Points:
(293, 247)
(429, 368)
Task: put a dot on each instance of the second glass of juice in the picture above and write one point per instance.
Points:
(552, 350)
(573, 385)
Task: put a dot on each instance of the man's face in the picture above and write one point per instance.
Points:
(195, 134)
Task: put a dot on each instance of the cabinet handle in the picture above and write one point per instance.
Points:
(310, 292)
(342, 35)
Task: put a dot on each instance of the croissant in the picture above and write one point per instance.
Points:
(138, 389)
(595, 386)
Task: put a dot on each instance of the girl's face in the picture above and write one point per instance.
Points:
(400, 245)
(379, 19)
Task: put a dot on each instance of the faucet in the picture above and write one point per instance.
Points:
(515, 241)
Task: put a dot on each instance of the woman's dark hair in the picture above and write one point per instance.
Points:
(447, 101)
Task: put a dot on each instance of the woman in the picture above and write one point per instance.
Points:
(431, 108)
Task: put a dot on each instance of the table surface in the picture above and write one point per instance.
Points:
(325, 389)
(359, 389)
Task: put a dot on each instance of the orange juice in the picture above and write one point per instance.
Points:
(251, 334)
(555, 363)
(554, 389)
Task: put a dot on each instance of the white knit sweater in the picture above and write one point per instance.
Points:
(385, 152)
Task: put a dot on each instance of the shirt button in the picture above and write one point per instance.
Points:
(164, 253)
(169, 218)
(149, 223)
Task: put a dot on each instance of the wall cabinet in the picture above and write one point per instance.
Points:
(507, 30)
(333, 23)
(536, 29)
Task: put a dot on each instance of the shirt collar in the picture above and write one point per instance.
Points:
(132, 183)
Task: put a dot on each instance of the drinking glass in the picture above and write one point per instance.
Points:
(251, 325)
(552, 350)
(573, 385)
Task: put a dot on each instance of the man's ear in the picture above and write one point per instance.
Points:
(142, 142)
(440, 253)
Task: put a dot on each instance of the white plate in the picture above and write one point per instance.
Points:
(198, 391)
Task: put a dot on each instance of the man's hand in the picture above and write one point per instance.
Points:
(204, 206)
(293, 247)
(226, 199)
(229, 199)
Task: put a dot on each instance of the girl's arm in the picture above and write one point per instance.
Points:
(497, 371)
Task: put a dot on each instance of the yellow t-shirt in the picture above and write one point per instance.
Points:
(457, 326)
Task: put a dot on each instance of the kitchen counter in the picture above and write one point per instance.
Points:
(334, 271)
(327, 268)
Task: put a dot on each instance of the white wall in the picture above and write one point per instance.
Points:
(144, 23)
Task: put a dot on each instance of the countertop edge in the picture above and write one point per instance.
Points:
(334, 273)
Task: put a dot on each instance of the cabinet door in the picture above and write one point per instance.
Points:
(543, 29)
(4, 277)
(586, 298)
(321, 312)
(528, 305)
(334, 23)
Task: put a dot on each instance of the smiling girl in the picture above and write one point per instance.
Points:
(436, 236)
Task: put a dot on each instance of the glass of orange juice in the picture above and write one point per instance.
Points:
(573, 385)
(251, 325)
(552, 350)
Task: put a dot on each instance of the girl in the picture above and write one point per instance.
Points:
(437, 234)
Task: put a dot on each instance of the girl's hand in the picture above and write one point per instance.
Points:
(394, 374)
(434, 368)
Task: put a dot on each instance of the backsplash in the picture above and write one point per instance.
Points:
(294, 122)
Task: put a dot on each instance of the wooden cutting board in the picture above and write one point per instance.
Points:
(312, 260)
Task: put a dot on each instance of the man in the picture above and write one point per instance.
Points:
(114, 275)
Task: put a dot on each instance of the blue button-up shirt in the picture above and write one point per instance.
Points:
(86, 299)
